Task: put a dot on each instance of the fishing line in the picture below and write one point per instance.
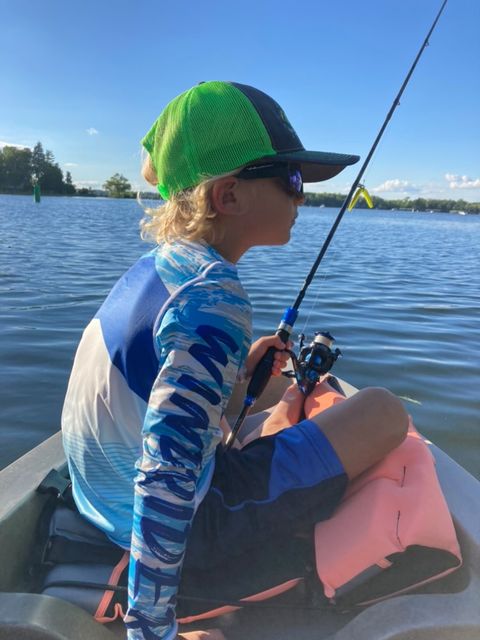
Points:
(321, 281)
(263, 371)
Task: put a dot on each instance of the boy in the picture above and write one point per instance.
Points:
(156, 366)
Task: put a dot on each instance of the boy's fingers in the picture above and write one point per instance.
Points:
(277, 342)
(279, 361)
(284, 345)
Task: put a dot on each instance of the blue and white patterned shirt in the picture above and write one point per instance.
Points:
(151, 379)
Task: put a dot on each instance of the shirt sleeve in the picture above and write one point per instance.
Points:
(203, 340)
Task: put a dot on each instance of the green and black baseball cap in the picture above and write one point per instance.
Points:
(217, 127)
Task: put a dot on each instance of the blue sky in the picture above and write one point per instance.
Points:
(87, 78)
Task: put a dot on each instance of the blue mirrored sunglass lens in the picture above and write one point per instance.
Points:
(296, 181)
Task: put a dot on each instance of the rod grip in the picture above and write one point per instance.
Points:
(263, 370)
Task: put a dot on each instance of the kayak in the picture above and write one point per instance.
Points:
(447, 609)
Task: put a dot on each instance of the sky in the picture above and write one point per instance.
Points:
(87, 78)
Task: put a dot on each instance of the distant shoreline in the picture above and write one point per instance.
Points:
(328, 200)
(421, 205)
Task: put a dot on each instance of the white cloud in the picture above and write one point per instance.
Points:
(396, 185)
(71, 164)
(397, 188)
(92, 131)
(12, 144)
(462, 182)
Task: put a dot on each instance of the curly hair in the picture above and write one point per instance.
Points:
(188, 214)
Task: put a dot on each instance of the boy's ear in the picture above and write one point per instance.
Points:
(225, 196)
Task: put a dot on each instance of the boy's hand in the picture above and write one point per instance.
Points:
(209, 634)
(260, 347)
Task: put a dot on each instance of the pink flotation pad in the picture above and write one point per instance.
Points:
(393, 517)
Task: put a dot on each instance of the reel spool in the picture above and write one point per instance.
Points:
(314, 360)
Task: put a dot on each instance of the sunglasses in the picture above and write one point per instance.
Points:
(289, 175)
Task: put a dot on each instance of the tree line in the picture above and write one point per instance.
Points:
(407, 204)
(20, 169)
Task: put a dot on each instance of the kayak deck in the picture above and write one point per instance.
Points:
(445, 610)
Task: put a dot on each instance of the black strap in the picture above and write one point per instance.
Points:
(58, 489)
(58, 486)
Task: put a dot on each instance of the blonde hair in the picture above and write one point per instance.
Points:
(187, 214)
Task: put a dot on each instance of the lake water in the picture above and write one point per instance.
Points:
(399, 291)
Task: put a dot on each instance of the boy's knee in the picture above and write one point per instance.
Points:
(392, 416)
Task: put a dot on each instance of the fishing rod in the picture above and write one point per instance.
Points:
(263, 370)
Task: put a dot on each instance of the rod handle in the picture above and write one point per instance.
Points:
(263, 370)
(256, 386)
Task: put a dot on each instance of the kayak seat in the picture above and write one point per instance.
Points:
(30, 616)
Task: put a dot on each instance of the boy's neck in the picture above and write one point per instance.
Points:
(229, 249)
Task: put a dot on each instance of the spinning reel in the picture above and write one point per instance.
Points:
(314, 360)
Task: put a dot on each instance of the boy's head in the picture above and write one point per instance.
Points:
(216, 128)
(230, 168)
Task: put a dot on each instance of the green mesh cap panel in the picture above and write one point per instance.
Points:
(210, 129)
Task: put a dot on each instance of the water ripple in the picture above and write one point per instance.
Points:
(400, 292)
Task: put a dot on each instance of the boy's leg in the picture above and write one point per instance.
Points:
(295, 474)
(252, 426)
(274, 487)
(363, 428)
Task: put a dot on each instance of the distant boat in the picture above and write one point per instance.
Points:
(462, 213)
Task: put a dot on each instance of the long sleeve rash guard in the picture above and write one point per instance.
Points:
(151, 378)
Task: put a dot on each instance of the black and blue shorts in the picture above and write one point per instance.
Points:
(265, 497)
